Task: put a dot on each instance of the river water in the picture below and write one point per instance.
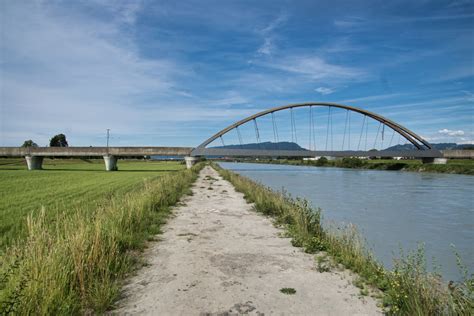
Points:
(392, 209)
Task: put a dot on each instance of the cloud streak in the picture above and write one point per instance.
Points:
(449, 132)
(324, 90)
(268, 35)
(314, 67)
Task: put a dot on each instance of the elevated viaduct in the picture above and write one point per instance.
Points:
(34, 155)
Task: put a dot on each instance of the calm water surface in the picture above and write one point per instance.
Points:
(392, 209)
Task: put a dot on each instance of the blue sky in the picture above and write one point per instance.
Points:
(175, 72)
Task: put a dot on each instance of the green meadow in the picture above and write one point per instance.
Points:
(72, 232)
(66, 185)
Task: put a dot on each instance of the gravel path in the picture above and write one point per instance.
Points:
(218, 257)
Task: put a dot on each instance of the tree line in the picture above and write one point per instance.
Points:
(58, 140)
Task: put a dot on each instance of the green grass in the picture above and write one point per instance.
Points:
(407, 290)
(65, 185)
(72, 260)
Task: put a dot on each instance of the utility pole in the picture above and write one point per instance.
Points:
(108, 133)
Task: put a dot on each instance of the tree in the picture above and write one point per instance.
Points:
(322, 161)
(58, 141)
(29, 143)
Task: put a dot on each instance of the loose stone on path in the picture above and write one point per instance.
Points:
(217, 256)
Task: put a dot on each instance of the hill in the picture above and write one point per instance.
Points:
(439, 146)
(266, 146)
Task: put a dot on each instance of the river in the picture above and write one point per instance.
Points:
(392, 209)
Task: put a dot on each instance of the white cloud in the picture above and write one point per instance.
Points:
(64, 71)
(315, 67)
(123, 11)
(469, 95)
(349, 22)
(268, 46)
(449, 132)
(324, 90)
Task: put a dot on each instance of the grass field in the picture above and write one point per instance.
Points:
(65, 185)
(72, 232)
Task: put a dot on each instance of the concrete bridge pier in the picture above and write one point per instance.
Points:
(190, 161)
(34, 162)
(110, 163)
(435, 161)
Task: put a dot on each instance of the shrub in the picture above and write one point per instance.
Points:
(322, 161)
(351, 162)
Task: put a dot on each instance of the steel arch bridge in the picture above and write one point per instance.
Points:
(423, 149)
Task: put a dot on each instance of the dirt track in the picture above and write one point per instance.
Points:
(218, 257)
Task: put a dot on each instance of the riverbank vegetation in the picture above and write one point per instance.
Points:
(409, 289)
(455, 166)
(71, 259)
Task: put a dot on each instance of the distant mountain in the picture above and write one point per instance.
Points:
(439, 146)
(294, 146)
(266, 146)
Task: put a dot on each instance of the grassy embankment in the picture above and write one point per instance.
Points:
(73, 236)
(455, 166)
(407, 290)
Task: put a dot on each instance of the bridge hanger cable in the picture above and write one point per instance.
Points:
(361, 131)
(331, 133)
(345, 128)
(383, 134)
(349, 133)
(222, 140)
(293, 125)
(275, 131)
(366, 133)
(391, 138)
(239, 136)
(310, 125)
(314, 132)
(327, 128)
(377, 136)
(257, 134)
